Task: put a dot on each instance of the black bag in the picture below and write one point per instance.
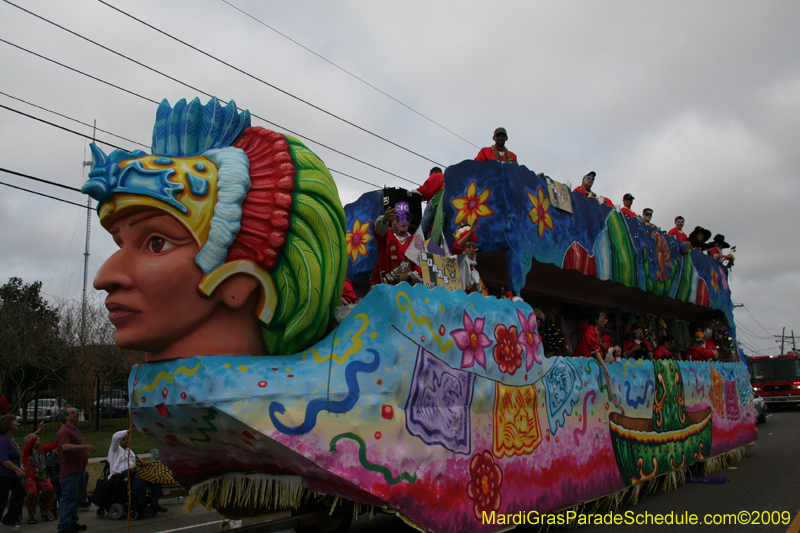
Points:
(101, 496)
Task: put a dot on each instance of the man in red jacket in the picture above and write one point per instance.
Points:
(677, 231)
(627, 202)
(428, 190)
(498, 151)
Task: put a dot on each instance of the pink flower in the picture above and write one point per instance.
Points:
(507, 352)
(529, 338)
(485, 480)
(472, 341)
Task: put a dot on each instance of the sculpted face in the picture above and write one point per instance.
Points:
(152, 282)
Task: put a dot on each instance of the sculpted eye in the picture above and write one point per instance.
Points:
(158, 245)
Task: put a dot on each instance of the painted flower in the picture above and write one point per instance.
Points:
(529, 338)
(485, 481)
(472, 206)
(357, 240)
(724, 279)
(540, 212)
(472, 341)
(507, 352)
(715, 280)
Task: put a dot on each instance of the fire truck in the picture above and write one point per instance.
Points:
(777, 378)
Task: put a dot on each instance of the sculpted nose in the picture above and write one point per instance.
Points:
(114, 274)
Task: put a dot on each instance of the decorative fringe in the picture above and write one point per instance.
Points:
(247, 491)
(665, 483)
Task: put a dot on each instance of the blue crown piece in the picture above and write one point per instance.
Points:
(107, 179)
(190, 129)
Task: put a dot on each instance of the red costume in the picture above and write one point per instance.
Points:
(662, 353)
(432, 185)
(698, 353)
(590, 194)
(630, 343)
(36, 481)
(348, 294)
(588, 343)
(678, 234)
(490, 154)
(391, 252)
(626, 211)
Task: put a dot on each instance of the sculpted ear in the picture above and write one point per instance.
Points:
(237, 290)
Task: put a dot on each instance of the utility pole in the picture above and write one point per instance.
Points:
(783, 337)
(86, 248)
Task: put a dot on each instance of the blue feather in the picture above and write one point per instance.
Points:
(190, 122)
(230, 119)
(173, 146)
(210, 124)
(161, 129)
(236, 126)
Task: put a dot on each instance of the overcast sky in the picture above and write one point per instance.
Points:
(693, 107)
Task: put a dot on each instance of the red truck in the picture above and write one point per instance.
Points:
(776, 378)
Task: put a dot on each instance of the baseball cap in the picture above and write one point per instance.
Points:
(628, 196)
(500, 130)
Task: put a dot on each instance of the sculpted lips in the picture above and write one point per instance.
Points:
(118, 312)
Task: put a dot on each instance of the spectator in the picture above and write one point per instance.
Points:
(665, 348)
(637, 347)
(647, 216)
(589, 341)
(627, 202)
(677, 230)
(498, 151)
(392, 245)
(73, 457)
(11, 473)
(429, 190)
(122, 460)
(585, 188)
(37, 485)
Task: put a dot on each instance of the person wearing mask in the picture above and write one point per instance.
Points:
(498, 151)
(677, 231)
(698, 352)
(393, 239)
(585, 189)
(637, 347)
(647, 217)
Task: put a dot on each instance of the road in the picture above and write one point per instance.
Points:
(766, 481)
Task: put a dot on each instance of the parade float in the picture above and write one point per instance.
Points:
(440, 406)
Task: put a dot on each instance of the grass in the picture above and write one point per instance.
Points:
(99, 438)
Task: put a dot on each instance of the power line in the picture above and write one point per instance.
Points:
(318, 143)
(42, 194)
(114, 146)
(40, 180)
(270, 85)
(754, 318)
(57, 126)
(73, 119)
(740, 325)
(348, 73)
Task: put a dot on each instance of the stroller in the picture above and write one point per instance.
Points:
(111, 496)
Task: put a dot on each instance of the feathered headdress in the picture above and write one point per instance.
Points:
(256, 202)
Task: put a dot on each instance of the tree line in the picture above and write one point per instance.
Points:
(60, 345)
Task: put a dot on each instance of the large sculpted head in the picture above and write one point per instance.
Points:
(231, 237)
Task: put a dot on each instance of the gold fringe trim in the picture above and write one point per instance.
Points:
(665, 483)
(247, 491)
